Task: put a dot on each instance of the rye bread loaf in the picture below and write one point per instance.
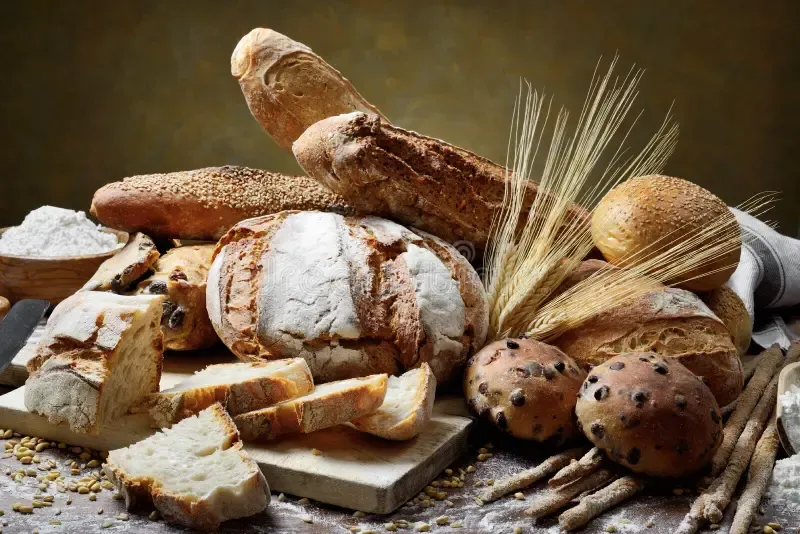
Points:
(416, 180)
(353, 296)
(673, 323)
(288, 87)
(205, 203)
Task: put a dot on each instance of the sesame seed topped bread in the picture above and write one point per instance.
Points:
(407, 407)
(205, 203)
(100, 354)
(194, 473)
(240, 387)
(288, 87)
(354, 296)
(327, 405)
(125, 267)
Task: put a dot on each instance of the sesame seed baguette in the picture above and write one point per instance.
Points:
(558, 498)
(530, 476)
(205, 203)
(598, 502)
(589, 463)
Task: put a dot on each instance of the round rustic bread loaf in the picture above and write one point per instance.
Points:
(727, 305)
(650, 414)
(670, 322)
(656, 211)
(526, 388)
(353, 296)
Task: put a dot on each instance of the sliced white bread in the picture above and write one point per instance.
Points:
(194, 473)
(328, 405)
(406, 409)
(99, 355)
(240, 387)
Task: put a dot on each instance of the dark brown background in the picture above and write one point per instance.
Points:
(93, 91)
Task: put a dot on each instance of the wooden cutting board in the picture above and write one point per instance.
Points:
(355, 471)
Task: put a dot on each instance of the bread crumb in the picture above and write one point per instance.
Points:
(307, 519)
(519, 496)
(316, 452)
(304, 500)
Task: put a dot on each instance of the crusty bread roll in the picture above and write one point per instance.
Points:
(727, 305)
(650, 414)
(353, 296)
(671, 322)
(288, 87)
(125, 267)
(657, 211)
(205, 203)
(525, 388)
(100, 354)
(416, 180)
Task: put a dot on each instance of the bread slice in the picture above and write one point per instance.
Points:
(328, 405)
(240, 387)
(194, 473)
(99, 354)
(406, 409)
(125, 267)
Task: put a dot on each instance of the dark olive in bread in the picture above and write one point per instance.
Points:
(525, 388)
(650, 414)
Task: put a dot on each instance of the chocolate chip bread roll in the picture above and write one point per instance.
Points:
(650, 414)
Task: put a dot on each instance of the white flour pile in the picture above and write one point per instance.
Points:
(49, 231)
(790, 402)
(785, 487)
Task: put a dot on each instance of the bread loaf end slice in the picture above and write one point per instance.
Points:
(406, 409)
(194, 473)
(240, 387)
(328, 405)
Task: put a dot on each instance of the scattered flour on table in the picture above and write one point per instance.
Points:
(49, 232)
(784, 489)
(790, 402)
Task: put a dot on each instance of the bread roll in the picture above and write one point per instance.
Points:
(353, 296)
(288, 87)
(416, 180)
(727, 305)
(525, 388)
(670, 322)
(205, 203)
(657, 211)
(650, 414)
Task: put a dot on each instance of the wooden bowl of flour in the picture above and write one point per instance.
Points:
(50, 278)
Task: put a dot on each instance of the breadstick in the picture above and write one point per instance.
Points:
(716, 500)
(728, 410)
(757, 479)
(558, 498)
(589, 463)
(693, 520)
(530, 476)
(600, 501)
(771, 362)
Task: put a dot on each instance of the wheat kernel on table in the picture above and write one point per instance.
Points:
(307, 519)
(768, 530)
(92, 496)
(422, 527)
(355, 529)
(519, 496)
(442, 520)
(107, 524)
(517, 530)
(154, 515)
(456, 524)
(391, 527)
(775, 526)
(26, 509)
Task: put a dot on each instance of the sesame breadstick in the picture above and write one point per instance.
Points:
(771, 362)
(757, 479)
(530, 476)
(558, 498)
(589, 463)
(600, 501)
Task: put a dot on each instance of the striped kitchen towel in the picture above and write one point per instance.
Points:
(767, 278)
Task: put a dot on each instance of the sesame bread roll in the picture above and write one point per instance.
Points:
(205, 203)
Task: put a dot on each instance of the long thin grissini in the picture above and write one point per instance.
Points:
(589, 463)
(758, 478)
(557, 498)
(771, 362)
(598, 502)
(530, 476)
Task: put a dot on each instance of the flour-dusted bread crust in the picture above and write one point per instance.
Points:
(353, 296)
(415, 180)
(180, 275)
(100, 353)
(328, 405)
(670, 322)
(125, 267)
(288, 87)
(407, 407)
(205, 203)
(240, 387)
(194, 473)
(651, 414)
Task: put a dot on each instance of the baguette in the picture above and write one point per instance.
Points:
(328, 405)
(240, 387)
(194, 473)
